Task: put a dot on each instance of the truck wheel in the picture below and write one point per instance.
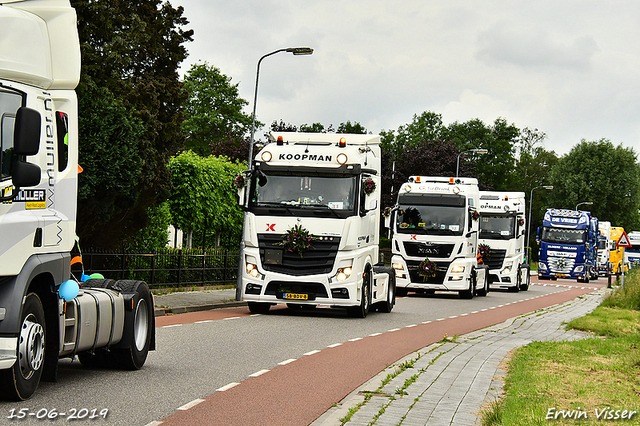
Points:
(258, 308)
(485, 288)
(365, 299)
(524, 285)
(139, 326)
(21, 381)
(468, 294)
(387, 305)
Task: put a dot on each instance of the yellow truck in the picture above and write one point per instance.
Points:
(616, 256)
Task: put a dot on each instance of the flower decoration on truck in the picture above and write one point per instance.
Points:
(297, 239)
(520, 221)
(386, 212)
(475, 215)
(368, 186)
(240, 181)
(427, 269)
(485, 251)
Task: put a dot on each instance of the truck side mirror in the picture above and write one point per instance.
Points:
(538, 236)
(26, 141)
(241, 194)
(27, 132)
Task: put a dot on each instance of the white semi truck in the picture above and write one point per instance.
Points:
(605, 245)
(45, 314)
(502, 232)
(434, 243)
(311, 225)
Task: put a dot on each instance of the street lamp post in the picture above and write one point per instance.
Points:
(548, 188)
(295, 51)
(587, 203)
(474, 150)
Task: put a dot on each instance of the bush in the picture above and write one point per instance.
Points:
(627, 297)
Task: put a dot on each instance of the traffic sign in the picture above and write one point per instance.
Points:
(623, 241)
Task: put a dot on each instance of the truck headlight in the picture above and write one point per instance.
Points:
(457, 269)
(252, 270)
(344, 273)
(579, 268)
(542, 266)
(507, 268)
(398, 266)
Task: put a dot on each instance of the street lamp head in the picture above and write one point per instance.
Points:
(548, 187)
(480, 150)
(300, 50)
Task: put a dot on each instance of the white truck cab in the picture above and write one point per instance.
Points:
(45, 312)
(434, 229)
(502, 231)
(311, 225)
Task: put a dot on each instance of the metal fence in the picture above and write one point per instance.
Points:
(166, 268)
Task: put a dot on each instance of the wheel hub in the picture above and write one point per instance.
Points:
(31, 347)
(141, 323)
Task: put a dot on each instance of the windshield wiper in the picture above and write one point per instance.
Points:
(275, 205)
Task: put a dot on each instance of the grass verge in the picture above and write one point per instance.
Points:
(586, 382)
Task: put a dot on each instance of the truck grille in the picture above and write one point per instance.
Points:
(560, 265)
(319, 259)
(428, 250)
(441, 273)
(496, 259)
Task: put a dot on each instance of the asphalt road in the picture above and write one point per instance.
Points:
(201, 357)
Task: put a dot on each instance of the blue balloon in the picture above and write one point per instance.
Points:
(84, 277)
(68, 290)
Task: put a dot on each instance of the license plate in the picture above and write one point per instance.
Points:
(295, 296)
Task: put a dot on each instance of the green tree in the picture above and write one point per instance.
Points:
(353, 128)
(494, 170)
(132, 49)
(204, 195)
(214, 110)
(601, 173)
(110, 160)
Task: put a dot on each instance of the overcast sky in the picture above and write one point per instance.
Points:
(570, 69)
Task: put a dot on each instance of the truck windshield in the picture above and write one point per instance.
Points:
(9, 104)
(495, 227)
(430, 214)
(564, 236)
(330, 193)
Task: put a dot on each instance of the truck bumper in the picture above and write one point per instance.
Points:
(8, 350)
(445, 280)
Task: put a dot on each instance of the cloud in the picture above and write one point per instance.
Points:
(505, 43)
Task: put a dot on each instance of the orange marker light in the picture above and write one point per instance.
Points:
(343, 142)
(450, 181)
(417, 179)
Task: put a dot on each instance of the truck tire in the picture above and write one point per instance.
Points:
(139, 326)
(387, 305)
(21, 380)
(524, 286)
(485, 288)
(468, 294)
(362, 310)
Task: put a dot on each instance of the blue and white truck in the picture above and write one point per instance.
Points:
(568, 245)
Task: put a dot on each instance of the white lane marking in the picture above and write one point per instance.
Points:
(312, 352)
(154, 423)
(173, 325)
(393, 329)
(412, 325)
(230, 318)
(191, 404)
(227, 387)
(203, 322)
(374, 334)
(334, 345)
(289, 361)
(355, 339)
(258, 373)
